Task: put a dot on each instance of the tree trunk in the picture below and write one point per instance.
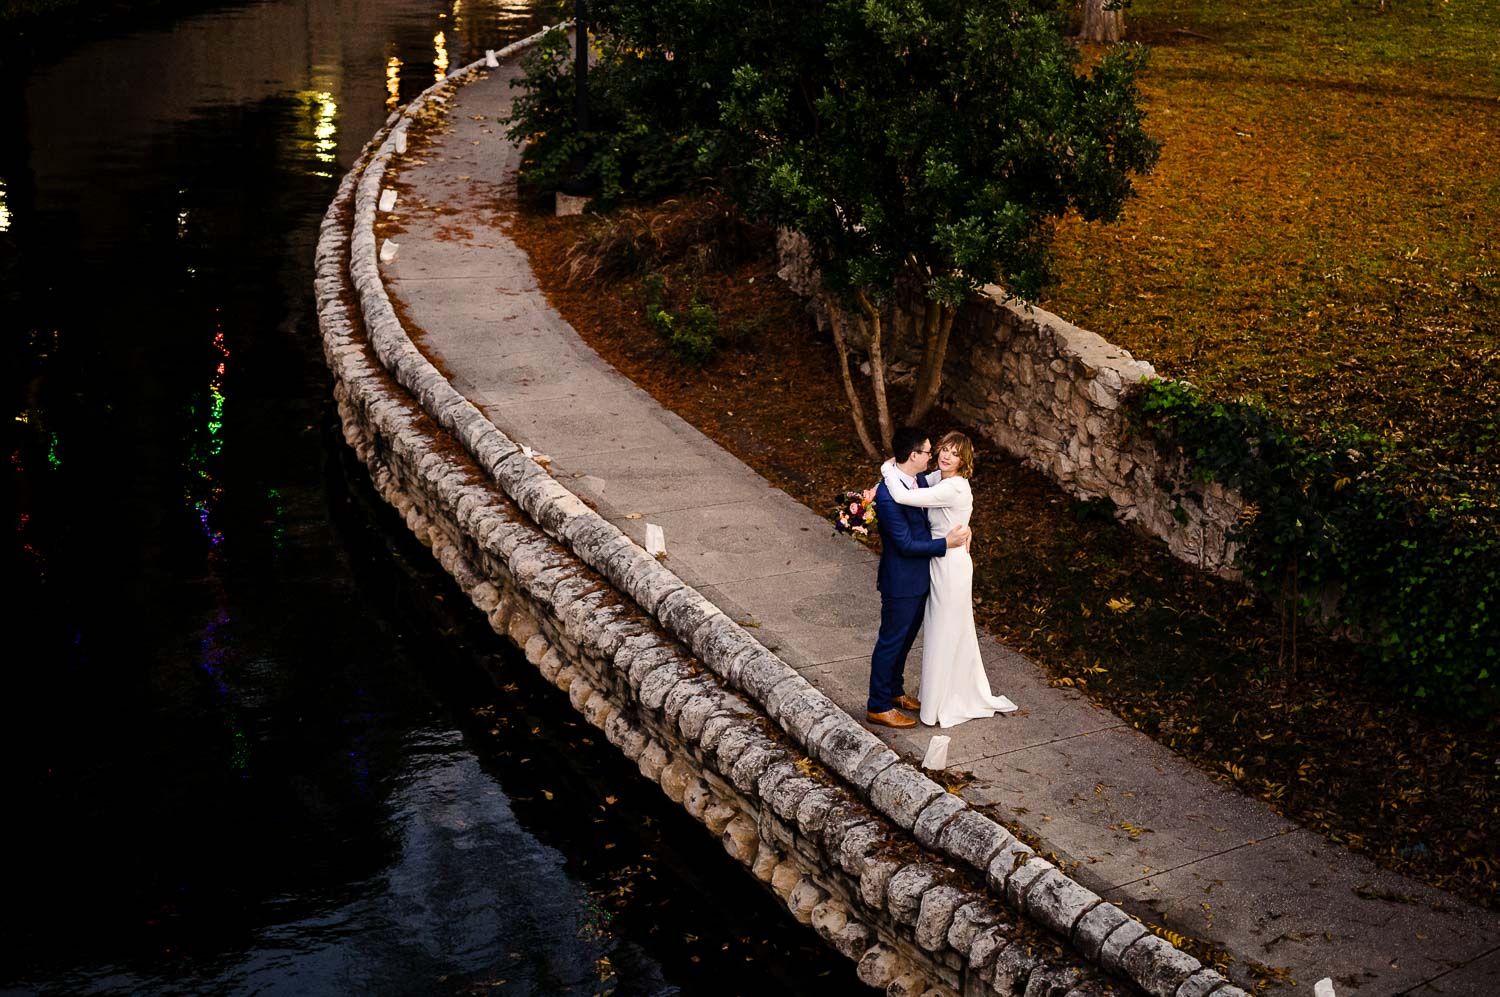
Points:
(935, 332)
(871, 322)
(837, 318)
(1101, 25)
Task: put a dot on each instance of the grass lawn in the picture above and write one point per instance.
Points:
(1320, 234)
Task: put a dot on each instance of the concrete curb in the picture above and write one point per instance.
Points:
(755, 763)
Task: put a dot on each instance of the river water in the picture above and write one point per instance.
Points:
(247, 748)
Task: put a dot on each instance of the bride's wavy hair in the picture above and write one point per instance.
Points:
(960, 442)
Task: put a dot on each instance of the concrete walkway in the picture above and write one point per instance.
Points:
(1145, 829)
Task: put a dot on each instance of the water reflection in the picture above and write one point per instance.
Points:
(244, 760)
(392, 83)
(440, 56)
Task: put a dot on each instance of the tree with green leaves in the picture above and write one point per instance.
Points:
(923, 147)
(932, 144)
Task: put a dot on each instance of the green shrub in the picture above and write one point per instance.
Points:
(624, 151)
(1413, 556)
(691, 334)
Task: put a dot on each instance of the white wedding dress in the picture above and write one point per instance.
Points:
(954, 686)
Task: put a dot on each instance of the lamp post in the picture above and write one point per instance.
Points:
(577, 184)
(581, 64)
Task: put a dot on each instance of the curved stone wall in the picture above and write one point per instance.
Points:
(927, 894)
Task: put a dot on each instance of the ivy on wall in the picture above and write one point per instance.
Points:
(1340, 528)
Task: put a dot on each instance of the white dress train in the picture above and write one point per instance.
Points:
(954, 685)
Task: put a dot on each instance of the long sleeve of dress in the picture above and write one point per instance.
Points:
(945, 493)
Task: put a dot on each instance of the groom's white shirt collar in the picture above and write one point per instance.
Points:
(890, 471)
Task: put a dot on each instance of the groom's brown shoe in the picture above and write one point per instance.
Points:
(905, 702)
(890, 718)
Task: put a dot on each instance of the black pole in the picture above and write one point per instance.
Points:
(581, 64)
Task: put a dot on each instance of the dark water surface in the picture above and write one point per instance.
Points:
(245, 748)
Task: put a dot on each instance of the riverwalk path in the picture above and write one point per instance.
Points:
(1127, 817)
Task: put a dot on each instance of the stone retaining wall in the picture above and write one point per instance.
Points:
(1050, 393)
(927, 894)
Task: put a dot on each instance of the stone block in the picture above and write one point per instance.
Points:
(986, 945)
(843, 817)
(747, 768)
(1058, 902)
(973, 839)
(715, 726)
(717, 817)
(934, 818)
(717, 644)
(1054, 980)
(1012, 969)
(740, 839)
(766, 860)
(1158, 966)
(684, 611)
(1115, 944)
(579, 693)
(760, 673)
(903, 894)
(935, 916)
(853, 940)
(969, 919)
(696, 798)
(1007, 860)
(828, 919)
(695, 713)
(654, 690)
(798, 712)
(653, 760)
(1201, 984)
(1020, 881)
(858, 845)
(644, 664)
(879, 966)
(876, 879)
(805, 898)
(784, 877)
(786, 689)
(535, 648)
(1094, 927)
(699, 687)
(901, 792)
(772, 777)
(733, 743)
(813, 810)
(787, 797)
(675, 778)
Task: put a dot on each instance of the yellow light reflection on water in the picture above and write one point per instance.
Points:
(392, 83)
(440, 58)
(4, 209)
(508, 12)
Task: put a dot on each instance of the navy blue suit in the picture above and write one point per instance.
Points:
(906, 545)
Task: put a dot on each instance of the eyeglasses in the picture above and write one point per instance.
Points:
(924, 453)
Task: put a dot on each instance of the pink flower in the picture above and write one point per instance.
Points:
(854, 507)
(868, 494)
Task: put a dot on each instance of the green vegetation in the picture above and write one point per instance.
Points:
(1407, 559)
(691, 332)
(1316, 253)
(922, 147)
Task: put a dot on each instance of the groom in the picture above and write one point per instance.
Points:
(906, 544)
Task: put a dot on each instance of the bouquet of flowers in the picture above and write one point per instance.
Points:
(854, 514)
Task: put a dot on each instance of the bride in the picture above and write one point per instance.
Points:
(954, 686)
